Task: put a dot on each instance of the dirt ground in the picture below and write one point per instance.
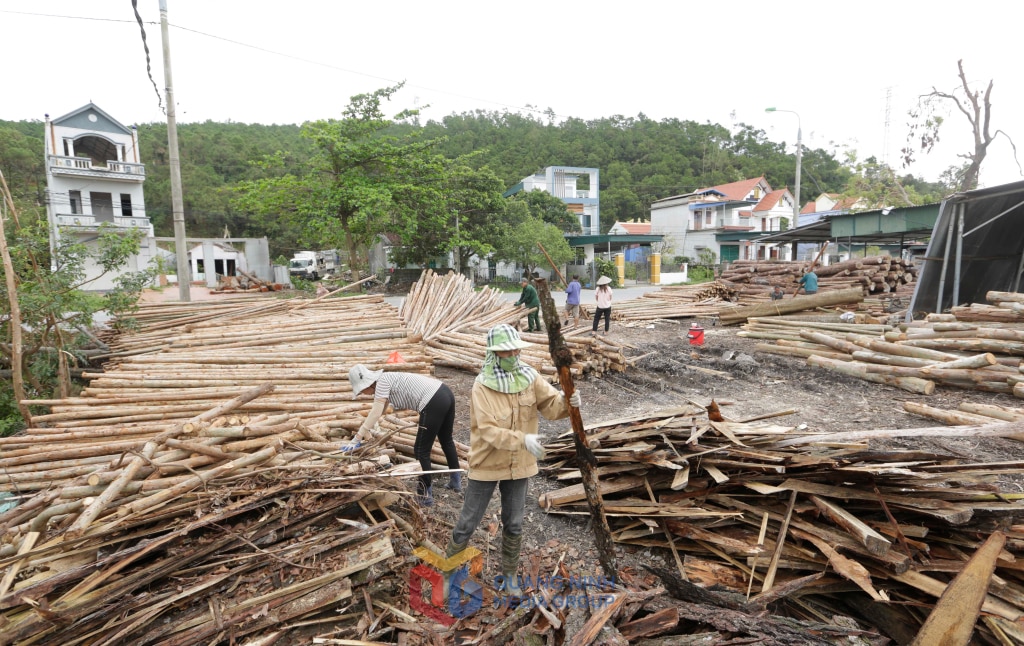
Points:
(761, 383)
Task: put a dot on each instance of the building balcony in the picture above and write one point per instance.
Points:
(83, 166)
(77, 221)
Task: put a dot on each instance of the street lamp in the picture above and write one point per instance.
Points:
(799, 151)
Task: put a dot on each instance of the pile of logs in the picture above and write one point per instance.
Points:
(816, 524)
(454, 319)
(874, 274)
(253, 555)
(205, 463)
(940, 350)
(1003, 307)
(673, 302)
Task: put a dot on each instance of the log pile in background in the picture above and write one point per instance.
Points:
(874, 274)
(1003, 307)
(675, 301)
(816, 524)
(453, 319)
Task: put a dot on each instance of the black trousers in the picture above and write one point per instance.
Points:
(437, 420)
(606, 312)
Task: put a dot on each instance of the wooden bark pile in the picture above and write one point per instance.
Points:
(874, 274)
(242, 559)
(916, 358)
(454, 321)
(816, 524)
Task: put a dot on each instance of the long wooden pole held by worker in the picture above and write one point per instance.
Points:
(562, 358)
(557, 273)
(814, 263)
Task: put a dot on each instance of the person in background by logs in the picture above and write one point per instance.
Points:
(572, 301)
(530, 299)
(603, 295)
(808, 283)
(504, 446)
(408, 391)
(777, 293)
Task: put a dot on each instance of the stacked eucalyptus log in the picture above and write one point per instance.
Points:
(874, 274)
(915, 358)
(817, 524)
(159, 378)
(1003, 307)
(453, 319)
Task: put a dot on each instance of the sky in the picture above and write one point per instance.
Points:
(850, 71)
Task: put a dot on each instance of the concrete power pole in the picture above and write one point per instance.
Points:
(177, 203)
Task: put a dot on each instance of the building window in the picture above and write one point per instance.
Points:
(76, 202)
(707, 217)
(126, 205)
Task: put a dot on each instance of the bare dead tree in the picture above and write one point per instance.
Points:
(976, 107)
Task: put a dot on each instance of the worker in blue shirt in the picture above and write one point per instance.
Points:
(808, 283)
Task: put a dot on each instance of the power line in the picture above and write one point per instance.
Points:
(145, 46)
(526, 108)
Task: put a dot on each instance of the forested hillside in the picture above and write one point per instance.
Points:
(640, 160)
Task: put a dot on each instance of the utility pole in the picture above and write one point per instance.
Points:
(177, 203)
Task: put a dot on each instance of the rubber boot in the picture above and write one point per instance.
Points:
(425, 495)
(510, 547)
(454, 548)
(455, 482)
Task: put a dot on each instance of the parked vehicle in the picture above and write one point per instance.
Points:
(312, 265)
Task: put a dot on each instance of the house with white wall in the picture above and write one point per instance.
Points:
(94, 177)
(564, 182)
(726, 220)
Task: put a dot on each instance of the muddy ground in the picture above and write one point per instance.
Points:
(760, 383)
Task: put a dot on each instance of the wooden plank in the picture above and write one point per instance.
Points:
(952, 621)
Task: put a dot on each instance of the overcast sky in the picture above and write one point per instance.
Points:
(841, 66)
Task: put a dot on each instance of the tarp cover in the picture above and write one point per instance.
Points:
(991, 252)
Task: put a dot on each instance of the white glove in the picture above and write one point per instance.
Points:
(574, 399)
(534, 446)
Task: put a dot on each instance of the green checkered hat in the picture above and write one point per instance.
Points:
(505, 337)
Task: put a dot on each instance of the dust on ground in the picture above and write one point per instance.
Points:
(760, 383)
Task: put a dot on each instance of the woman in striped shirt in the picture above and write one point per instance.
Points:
(406, 391)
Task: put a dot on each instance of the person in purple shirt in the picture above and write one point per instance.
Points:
(572, 302)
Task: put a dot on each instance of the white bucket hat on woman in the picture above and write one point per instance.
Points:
(362, 378)
(505, 337)
(603, 280)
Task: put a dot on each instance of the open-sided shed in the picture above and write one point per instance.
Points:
(977, 246)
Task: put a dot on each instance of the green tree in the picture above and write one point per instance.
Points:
(520, 235)
(362, 180)
(53, 305)
(547, 208)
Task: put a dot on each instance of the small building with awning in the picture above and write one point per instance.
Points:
(895, 227)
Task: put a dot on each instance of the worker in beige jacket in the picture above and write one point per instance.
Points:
(504, 446)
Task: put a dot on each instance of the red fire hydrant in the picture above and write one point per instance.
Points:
(695, 335)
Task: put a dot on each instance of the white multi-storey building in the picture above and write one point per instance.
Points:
(726, 219)
(94, 176)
